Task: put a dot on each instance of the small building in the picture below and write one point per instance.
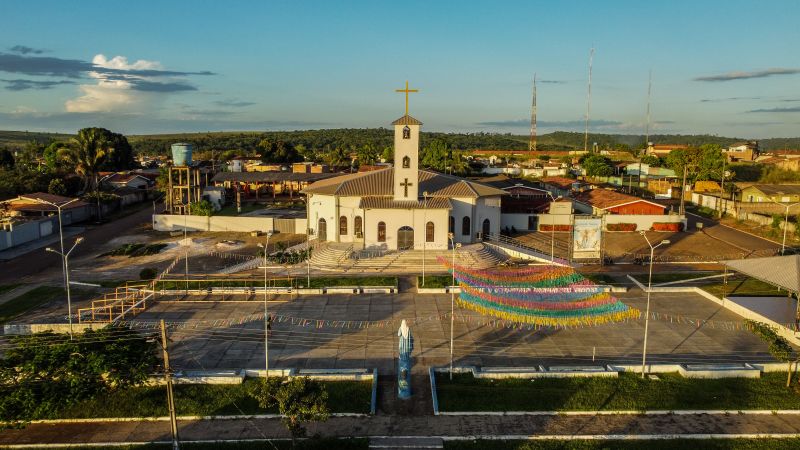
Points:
(562, 186)
(662, 150)
(781, 193)
(25, 218)
(742, 151)
(606, 201)
(262, 185)
(127, 180)
(310, 167)
(791, 164)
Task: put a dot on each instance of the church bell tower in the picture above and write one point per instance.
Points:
(406, 154)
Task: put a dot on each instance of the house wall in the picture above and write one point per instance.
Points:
(521, 221)
(24, 232)
(752, 194)
(638, 208)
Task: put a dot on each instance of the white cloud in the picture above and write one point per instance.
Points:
(107, 96)
(121, 63)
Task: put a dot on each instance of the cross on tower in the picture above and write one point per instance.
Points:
(405, 185)
(406, 90)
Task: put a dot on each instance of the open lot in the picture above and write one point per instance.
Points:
(222, 335)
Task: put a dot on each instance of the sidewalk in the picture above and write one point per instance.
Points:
(442, 426)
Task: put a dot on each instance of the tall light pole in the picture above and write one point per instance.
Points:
(452, 300)
(552, 229)
(97, 193)
(266, 310)
(785, 221)
(425, 227)
(58, 207)
(65, 260)
(649, 285)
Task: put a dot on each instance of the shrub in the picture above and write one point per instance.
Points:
(148, 273)
(621, 227)
(57, 187)
(202, 208)
(667, 226)
(557, 227)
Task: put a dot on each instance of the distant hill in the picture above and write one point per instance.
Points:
(382, 137)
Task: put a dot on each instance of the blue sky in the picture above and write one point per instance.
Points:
(720, 67)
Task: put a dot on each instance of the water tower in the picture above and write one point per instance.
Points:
(184, 180)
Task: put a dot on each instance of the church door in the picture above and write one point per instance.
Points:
(486, 229)
(322, 231)
(405, 238)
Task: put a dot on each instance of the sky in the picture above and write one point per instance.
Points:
(730, 68)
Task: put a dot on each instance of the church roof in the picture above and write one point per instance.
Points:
(380, 183)
(390, 203)
(406, 120)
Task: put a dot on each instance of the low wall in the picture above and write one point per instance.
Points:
(237, 224)
(30, 328)
(645, 221)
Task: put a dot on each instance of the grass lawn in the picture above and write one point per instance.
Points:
(657, 444)
(599, 278)
(204, 400)
(28, 301)
(436, 281)
(667, 277)
(7, 287)
(283, 282)
(743, 287)
(230, 210)
(628, 392)
(310, 444)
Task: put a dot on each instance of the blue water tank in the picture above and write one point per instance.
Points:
(182, 154)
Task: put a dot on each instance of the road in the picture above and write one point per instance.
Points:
(39, 265)
(730, 235)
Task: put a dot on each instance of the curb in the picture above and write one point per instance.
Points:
(185, 418)
(684, 412)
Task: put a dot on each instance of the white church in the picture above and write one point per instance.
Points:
(402, 207)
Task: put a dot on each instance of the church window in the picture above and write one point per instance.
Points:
(451, 225)
(381, 232)
(406, 162)
(429, 232)
(343, 226)
(406, 132)
(358, 225)
(465, 226)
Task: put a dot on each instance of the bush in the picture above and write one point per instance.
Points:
(148, 273)
(202, 208)
(621, 227)
(548, 227)
(667, 226)
(57, 187)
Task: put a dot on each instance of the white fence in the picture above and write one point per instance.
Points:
(239, 224)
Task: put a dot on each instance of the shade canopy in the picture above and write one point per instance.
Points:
(780, 271)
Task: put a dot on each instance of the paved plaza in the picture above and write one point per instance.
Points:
(210, 341)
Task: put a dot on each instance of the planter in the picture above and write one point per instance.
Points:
(673, 227)
(628, 227)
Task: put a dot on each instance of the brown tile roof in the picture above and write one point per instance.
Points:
(268, 177)
(669, 146)
(606, 198)
(561, 182)
(28, 202)
(406, 120)
(380, 183)
(390, 203)
(370, 167)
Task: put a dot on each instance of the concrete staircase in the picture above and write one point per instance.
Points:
(337, 256)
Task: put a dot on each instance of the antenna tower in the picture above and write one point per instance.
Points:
(588, 104)
(532, 143)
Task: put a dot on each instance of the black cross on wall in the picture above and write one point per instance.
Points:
(405, 185)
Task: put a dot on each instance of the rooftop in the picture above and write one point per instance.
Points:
(406, 120)
(778, 189)
(606, 198)
(268, 177)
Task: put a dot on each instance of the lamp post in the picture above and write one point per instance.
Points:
(452, 300)
(552, 229)
(266, 310)
(97, 193)
(649, 284)
(58, 207)
(65, 260)
(425, 227)
(785, 221)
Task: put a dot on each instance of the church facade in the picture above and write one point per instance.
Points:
(402, 207)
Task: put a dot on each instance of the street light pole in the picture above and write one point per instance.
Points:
(425, 227)
(552, 229)
(65, 260)
(58, 207)
(649, 285)
(785, 222)
(266, 310)
(452, 301)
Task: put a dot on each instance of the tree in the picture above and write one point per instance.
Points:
(6, 159)
(122, 157)
(338, 157)
(388, 153)
(57, 187)
(652, 161)
(278, 152)
(87, 153)
(51, 155)
(367, 154)
(436, 155)
(45, 372)
(300, 399)
(779, 347)
(202, 208)
(597, 166)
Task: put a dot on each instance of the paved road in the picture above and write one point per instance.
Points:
(39, 265)
(460, 426)
(731, 235)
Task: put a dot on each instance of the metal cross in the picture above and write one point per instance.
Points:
(405, 185)
(406, 90)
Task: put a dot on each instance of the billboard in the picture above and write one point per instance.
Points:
(587, 235)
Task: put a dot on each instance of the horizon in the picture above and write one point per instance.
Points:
(324, 66)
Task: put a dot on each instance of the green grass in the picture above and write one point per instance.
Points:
(230, 210)
(283, 282)
(136, 249)
(7, 287)
(706, 212)
(743, 288)
(30, 300)
(436, 281)
(204, 400)
(310, 444)
(656, 444)
(599, 278)
(628, 392)
(668, 277)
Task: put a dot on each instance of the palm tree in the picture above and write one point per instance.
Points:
(86, 152)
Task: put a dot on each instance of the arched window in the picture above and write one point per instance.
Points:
(343, 226)
(465, 226)
(357, 225)
(451, 225)
(429, 232)
(406, 132)
(406, 162)
(381, 232)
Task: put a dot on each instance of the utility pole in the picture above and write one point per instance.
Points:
(170, 397)
(588, 104)
(722, 187)
(647, 129)
(682, 211)
(532, 143)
